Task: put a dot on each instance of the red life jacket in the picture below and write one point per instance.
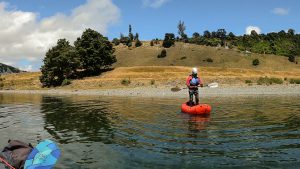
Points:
(190, 78)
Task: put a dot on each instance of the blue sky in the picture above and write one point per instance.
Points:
(150, 18)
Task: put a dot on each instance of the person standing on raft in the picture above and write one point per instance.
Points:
(193, 82)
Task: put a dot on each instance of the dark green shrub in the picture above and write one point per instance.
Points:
(169, 40)
(138, 43)
(162, 54)
(182, 58)
(125, 82)
(151, 43)
(269, 81)
(276, 80)
(66, 82)
(295, 81)
(255, 62)
(209, 60)
(152, 82)
(116, 41)
(248, 81)
(1, 82)
(292, 58)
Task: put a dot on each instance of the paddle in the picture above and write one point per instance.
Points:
(43, 156)
(210, 85)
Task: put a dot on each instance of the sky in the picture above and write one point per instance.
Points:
(28, 29)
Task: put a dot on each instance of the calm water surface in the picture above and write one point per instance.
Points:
(107, 132)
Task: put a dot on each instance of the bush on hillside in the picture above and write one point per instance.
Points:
(209, 60)
(248, 81)
(292, 58)
(269, 81)
(1, 82)
(152, 43)
(295, 81)
(255, 62)
(169, 40)
(162, 54)
(116, 41)
(66, 82)
(138, 43)
(125, 82)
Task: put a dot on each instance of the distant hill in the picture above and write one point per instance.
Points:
(8, 69)
(184, 54)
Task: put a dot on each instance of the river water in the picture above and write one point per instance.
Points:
(107, 132)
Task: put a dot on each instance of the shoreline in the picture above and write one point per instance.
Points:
(165, 91)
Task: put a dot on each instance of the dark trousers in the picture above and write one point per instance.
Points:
(193, 93)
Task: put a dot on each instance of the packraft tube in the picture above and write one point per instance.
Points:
(196, 109)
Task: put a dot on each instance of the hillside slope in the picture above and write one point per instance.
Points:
(8, 69)
(183, 54)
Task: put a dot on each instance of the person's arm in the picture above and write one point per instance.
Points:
(188, 80)
(200, 81)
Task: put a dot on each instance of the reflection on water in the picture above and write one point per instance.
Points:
(107, 132)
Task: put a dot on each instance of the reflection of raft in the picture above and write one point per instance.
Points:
(196, 109)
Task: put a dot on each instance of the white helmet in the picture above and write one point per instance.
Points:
(194, 71)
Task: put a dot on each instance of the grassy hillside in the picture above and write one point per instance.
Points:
(183, 54)
(151, 76)
(8, 69)
(141, 67)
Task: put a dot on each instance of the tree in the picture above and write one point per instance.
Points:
(206, 34)
(196, 35)
(95, 52)
(181, 29)
(169, 40)
(213, 34)
(138, 43)
(253, 33)
(130, 35)
(116, 41)
(196, 38)
(60, 63)
(136, 37)
(151, 43)
(221, 34)
(231, 36)
(291, 32)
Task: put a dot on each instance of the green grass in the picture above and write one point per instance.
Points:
(66, 82)
(269, 81)
(152, 82)
(294, 81)
(248, 81)
(125, 82)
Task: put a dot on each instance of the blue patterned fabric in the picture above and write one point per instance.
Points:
(194, 82)
(43, 156)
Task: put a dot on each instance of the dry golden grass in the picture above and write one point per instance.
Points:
(150, 75)
(141, 67)
(189, 55)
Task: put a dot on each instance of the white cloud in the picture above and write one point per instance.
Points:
(154, 3)
(27, 68)
(280, 11)
(250, 28)
(24, 37)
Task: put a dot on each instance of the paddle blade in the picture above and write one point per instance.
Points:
(43, 156)
(213, 85)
